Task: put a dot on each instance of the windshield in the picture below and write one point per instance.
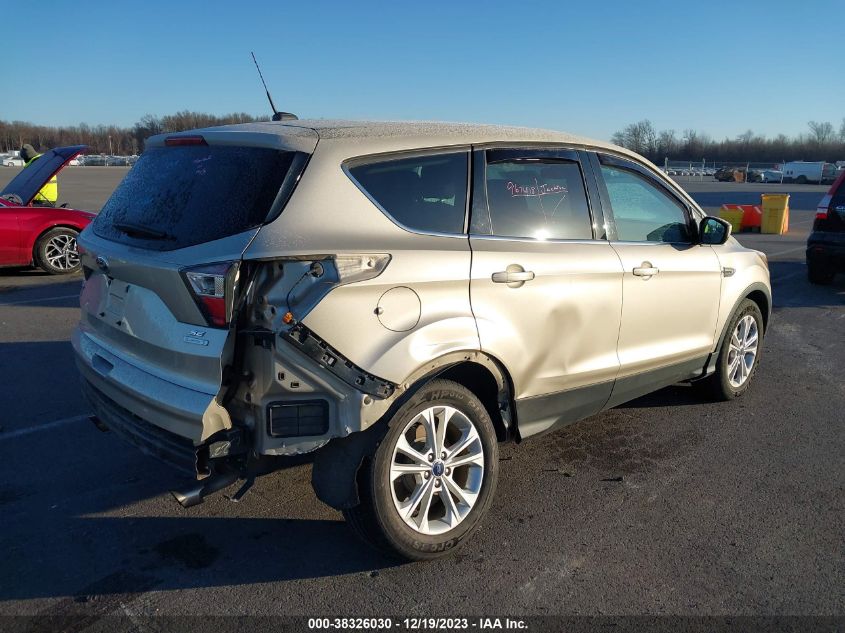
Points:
(180, 196)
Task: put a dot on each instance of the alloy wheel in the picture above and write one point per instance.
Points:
(436, 470)
(60, 252)
(742, 353)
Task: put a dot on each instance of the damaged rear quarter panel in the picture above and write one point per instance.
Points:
(279, 370)
(327, 214)
(347, 317)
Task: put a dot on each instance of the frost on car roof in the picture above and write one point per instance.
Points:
(328, 128)
(418, 133)
(339, 129)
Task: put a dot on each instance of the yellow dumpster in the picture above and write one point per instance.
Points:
(775, 213)
(733, 214)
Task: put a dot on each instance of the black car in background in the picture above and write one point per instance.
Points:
(738, 174)
(724, 174)
(826, 244)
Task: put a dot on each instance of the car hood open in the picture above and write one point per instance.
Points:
(30, 181)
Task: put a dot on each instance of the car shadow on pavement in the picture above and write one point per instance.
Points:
(674, 396)
(85, 514)
(41, 290)
(22, 271)
(40, 385)
(111, 555)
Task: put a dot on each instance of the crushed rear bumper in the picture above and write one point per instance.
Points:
(152, 440)
(225, 451)
(162, 419)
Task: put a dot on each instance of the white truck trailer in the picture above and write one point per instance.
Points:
(804, 171)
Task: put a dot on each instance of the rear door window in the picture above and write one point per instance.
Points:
(425, 193)
(540, 198)
(181, 196)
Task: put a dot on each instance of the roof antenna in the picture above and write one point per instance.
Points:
(277, 116)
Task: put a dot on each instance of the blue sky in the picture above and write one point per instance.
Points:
(585, 67)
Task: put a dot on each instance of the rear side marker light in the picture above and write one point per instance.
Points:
(360, 267)
(175, 141)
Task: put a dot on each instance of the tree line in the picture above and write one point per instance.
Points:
(110, 139)
(821, 142)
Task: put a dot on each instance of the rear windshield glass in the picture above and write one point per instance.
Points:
(180, 196)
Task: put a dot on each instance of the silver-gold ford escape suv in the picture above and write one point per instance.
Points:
(396, 299)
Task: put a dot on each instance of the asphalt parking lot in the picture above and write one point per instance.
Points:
(666, 505)
(85, 188)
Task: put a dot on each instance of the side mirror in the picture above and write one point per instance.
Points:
(713, 231)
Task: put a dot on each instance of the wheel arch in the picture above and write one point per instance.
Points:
(336, 468)
(484, 375)
(760, 294)
(763, 300)
(492, 385)
(47, 229)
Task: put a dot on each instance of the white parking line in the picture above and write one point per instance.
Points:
(789, 276)
(42, 427)
(791, 250)
(17, 303)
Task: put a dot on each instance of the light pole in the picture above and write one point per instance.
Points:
(111, 153)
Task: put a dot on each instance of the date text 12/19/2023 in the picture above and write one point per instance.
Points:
(418, 624)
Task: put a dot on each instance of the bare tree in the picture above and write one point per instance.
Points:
(638, 137)
(821, 132)
(746, 147)
(667, 143)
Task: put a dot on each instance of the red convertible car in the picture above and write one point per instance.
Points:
(40, 235)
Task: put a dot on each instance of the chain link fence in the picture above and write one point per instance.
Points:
(738, 171)
(98, 160)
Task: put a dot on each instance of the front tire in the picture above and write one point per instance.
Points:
(56, 251)
(739, 355)
(432, 477)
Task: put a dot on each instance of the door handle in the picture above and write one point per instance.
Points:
(646, 270)
(509, 277)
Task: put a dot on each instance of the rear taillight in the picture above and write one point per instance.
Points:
(213, 288)
(823, 208)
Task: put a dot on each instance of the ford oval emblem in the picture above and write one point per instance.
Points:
(102, 263)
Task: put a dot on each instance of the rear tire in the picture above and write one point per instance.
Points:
(432, 477)
(819, 274)
(56, 251)
(739, 355)
(801, 180)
